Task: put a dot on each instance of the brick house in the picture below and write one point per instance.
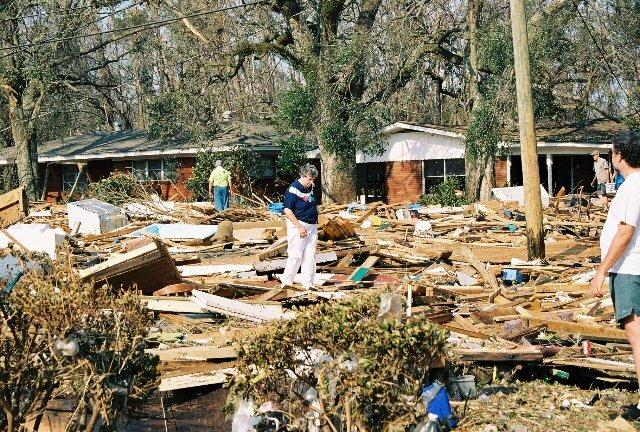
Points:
(418, 157)
(94, 156)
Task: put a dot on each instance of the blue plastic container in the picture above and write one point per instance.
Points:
(440, 404)
(277, 208)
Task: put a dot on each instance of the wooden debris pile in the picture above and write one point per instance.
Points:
(464, 268)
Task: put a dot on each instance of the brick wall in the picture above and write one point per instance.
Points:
(501, 171)
(174, 191)
(403, 181)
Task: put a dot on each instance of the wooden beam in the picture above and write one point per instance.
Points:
(587, 331)
(489, 278)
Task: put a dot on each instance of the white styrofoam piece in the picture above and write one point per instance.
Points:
(177, 231)
(208, 270)
(35, 237)
(516, 193)
(95, 216)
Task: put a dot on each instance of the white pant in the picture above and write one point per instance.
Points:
(301, 253)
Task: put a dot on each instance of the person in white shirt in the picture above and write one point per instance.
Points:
(620, 243)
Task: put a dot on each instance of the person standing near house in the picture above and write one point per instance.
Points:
(220, 181)
(615, 177)
(601, 177)
(620, 243)
(301, 211)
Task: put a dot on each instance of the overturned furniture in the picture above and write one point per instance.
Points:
(148, 268)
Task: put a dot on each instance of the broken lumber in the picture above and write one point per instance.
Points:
(200, 379)
(587, 331)
(194, 353)
(235, 308)
(489, 278)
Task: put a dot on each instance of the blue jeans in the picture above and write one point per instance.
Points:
(221, 197)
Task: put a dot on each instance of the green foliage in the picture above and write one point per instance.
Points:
(350, 357)
(296, 108)
(164, 118)
(350, 127)
(244, 164)
(484, 135)
(445, 194)
(117, 189)
(292, 156)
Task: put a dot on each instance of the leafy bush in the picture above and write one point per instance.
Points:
(117, 189)
(365, 371)
(63, 338)
(244, 164)
(445, 194)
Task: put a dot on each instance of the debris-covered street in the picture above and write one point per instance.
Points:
(540, 351)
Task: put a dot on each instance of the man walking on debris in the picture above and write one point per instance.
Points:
(620, 243)
(220, 180)
(301, 210)
(600, 179)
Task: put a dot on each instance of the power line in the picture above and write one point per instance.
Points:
(149, 25)
(60, 12)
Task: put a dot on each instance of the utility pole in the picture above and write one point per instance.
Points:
(528, 145)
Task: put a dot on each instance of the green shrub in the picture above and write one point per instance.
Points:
(117, 189)
(445, 194)
(351, 358)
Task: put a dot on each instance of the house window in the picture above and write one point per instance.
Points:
(69, 175)
(268, 167)
(437, 170)
(148, 169)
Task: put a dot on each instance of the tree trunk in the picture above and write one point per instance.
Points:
(338, 178)
(480, 177)
(480, 171)
(24, 139)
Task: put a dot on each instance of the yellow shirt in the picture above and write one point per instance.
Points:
(220, 177)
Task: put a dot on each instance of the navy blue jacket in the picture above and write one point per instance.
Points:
(302, 202)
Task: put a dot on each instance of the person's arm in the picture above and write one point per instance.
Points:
(294, 220)
(619, 244)
(229, 180)
(210, 183)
